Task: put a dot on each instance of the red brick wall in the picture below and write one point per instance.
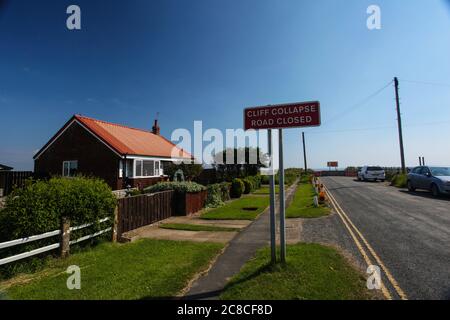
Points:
(76, 143)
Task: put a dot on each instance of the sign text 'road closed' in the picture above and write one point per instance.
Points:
(292, 115)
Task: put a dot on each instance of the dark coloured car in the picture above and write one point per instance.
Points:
(434, 179)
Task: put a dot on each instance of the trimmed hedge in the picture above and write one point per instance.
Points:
(248, 186)
(39, 207)
(217, 194)
(214, 198)
(182, 187)
(237, 188)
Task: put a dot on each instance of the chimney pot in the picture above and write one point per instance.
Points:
(156, 129)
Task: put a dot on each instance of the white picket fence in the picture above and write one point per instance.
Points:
(53, 246)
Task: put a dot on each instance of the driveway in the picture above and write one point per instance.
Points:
(410, 232)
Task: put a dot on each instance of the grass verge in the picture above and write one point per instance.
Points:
(146, 269)
(195, 227)
(247, 208)
(311, 272)
(302, 205)
(266, 190)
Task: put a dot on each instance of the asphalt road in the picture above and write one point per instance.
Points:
(409, 231)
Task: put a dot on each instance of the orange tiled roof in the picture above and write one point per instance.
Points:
(131, 141)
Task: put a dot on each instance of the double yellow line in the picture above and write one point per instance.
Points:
(355, 233)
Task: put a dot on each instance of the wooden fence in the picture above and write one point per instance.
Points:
(11, 179)
(63, 244)
(194, 202)
(138, 211)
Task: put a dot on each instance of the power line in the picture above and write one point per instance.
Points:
(360, 104)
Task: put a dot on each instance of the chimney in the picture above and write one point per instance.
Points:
(155, 128)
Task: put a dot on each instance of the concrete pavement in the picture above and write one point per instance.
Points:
(242, 248)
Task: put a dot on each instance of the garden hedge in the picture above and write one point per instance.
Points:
(237, 188)
(182, 187)
(40, 206)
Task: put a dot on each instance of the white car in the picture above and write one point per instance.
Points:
(371, 173)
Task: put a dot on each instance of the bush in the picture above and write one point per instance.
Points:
(39, 207)
(248, 186)
(214, 198)
(256, 182)
(399, 180)
(181, 187)
(237, 188)
(225, 190)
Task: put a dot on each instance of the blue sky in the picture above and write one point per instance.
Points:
(209, 59)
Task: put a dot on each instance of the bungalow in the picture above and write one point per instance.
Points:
(120, 155)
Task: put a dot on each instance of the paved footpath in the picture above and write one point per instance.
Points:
(241, 249)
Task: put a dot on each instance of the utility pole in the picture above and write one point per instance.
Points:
(420, 161)
(400, 132)
(304, 152)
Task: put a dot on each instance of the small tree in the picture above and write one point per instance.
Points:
(245, 162)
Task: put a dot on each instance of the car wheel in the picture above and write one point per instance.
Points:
(410, 186)
(382, 181)
(435, 191)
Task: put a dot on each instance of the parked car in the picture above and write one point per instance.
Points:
(434, 179)
(371, 173)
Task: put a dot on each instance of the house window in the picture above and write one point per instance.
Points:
(138, 171)
(70, 168)
(147, 168)
(157, 168)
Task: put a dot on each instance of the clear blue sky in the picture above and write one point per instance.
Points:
(209, 59)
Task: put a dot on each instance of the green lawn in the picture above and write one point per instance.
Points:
(246, 208)
(302, 205)
(266, 190)
(143, 269)
(312, 272)
(195, 227)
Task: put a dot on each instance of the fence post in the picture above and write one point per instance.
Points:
(116, 223)
(65, 237)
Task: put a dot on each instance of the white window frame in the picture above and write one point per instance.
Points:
(157, 172)
(69, 162)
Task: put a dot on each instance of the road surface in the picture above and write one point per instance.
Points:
(410, 232)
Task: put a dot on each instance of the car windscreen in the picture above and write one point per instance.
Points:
(374, 169)
(440, 171)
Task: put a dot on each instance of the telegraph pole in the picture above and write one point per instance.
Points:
(304, 152)
(400, 132)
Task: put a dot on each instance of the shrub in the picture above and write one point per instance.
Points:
(39, 207)
(237, 187)
(181, 187)
(225, 190)
(214, 198)
(248, 186)
(399, 180)
(256, 182)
